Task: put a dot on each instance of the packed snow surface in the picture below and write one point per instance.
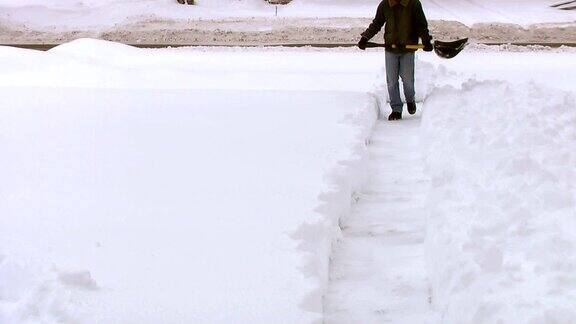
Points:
(378, 272)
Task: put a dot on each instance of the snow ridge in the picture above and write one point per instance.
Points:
(344, 181)
(378, 270)
(501, 161)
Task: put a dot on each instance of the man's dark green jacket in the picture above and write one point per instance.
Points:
(405, 22)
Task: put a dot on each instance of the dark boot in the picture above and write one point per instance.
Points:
(395, 115)
(190, 2)
(411, 108)
(180, 1)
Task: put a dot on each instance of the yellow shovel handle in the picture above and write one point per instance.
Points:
(414, 47)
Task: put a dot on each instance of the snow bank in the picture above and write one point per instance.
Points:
(547, 68)
(101, 64)
(175, 186)
(502, 160)
(68, 13)
(255, 22)
(346, 180)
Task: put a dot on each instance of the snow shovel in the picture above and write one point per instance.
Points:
(443, 49)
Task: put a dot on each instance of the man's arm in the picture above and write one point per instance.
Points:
(377, 23)
(420, 21)
(422, 26)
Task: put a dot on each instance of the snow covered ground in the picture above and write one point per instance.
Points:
(498, 192)
(109, 12)
(145, 186)
(378, 272)
(502, 159)
(255, 22)
(499, 143)
(206, 185)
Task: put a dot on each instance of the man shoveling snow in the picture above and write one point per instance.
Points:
(405, 23)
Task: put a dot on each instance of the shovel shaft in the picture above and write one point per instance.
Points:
(415, 47)
(412, 47)
(441, 48)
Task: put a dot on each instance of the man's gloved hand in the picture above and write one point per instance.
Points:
(427, 42)
(362, 43)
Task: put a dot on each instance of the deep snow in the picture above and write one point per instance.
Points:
(146, 186)
(502, 160)
(499, 140)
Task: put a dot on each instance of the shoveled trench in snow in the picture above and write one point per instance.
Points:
(501, 199)
(378, 267)
(378, 270)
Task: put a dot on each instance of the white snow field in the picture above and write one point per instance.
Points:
(145, 186)
(107, 13)
(213, 185)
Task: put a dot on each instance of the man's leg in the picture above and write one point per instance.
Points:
(392, 72)
(407, 74)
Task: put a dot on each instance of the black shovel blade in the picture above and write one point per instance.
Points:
(449, 49)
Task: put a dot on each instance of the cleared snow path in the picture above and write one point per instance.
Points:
(378, 272)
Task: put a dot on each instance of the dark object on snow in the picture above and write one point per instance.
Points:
(280, 2)
(404, 22)
(442, 49)
(427, 45)
(411, 107)
(563, 4)
(190, 2)
(362, 43)
(567, 5)
(449, 49)
(395, 115)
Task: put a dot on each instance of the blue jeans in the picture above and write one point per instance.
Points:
(400, 65)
